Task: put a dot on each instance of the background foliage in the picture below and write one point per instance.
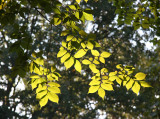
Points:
(30, 29)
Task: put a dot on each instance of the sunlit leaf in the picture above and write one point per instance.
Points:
(112, 73)
(107, 86)
(136, 88)
(88, 16)
(69, 37)
(93, 68)
(96, 62)
(53, 84)
(94, 82)
(78, 1)
(140, 76)
(69, 62)
(54, 89)
(43, 101)
(53, 97)
(86, 62)
(65, 57)
(129, 84)
(80, 53)
(145, 84)
(39, 61)
(105, 54)
(34, 76)
(78, 66)
(89, 45)
(93, 89)
(61, 53)
(101, 59)
(95, 52)
(101, 92)
(41, 94)
(72, 7)
(119, 81)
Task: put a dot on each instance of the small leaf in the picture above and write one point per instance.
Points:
(145, 84)
(96, 62)
(53, 97)
(69, 62)
(39, 61)
(119, 81)
(101, 92)
(88, 16)
(136, 88)
(93, 89)
(43, 101)
(34, 76)
(112, 78)
(72, 7)
(41, 94)
(112, 73)
(107, 86)
(95, 52)
(78, 66)
(65, 57)
(101, 59)
(78, 1)
(69, 37)
(86, 62)
(61, 53)
(80, 53)
(93, 68)
(51, 84)
(54, 89)
(129, 84)
(89, 45)
(94, 82)
(105, 54)
(140, 76)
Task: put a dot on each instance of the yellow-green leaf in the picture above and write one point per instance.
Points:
(101, 59)
(112, 73)
(72, 7)
(69, 63)
(65, 57)
(88, 16)
(140, 76)
(112, 78)
(69, 37)
(61, 53)
(34, 77)
(105, 54)
(145, 84)
(107, 86)
(129, 84)
(43, 101)
(101, 92)
(80, 53)
(89, 45)
(39, 61)
(53, 84)
(86, 62)
(96, 62)
(95, 52)
(78, 1)
(104, 70)
(54, 89)
(53, 97)
(94, 82)
(107, 81)
(136, 88)
(78, 66)
(93, 89)
(41, 94)
(119, 81)
(93, 68)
